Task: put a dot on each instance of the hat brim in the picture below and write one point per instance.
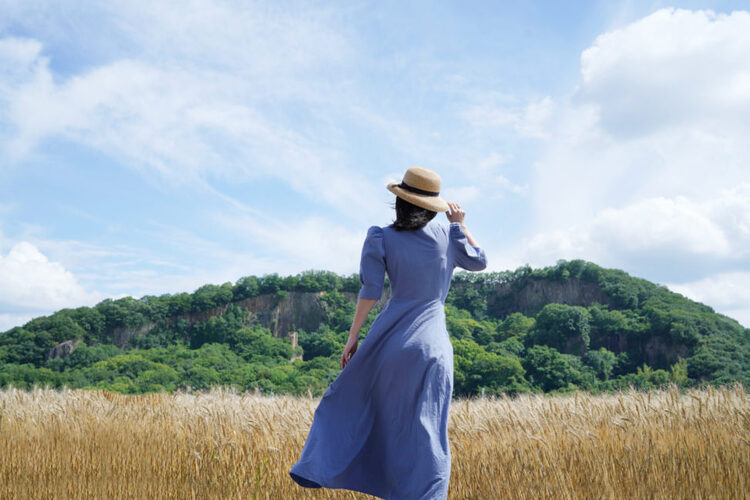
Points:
(434, 203)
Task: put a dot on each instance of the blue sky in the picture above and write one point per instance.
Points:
(152, 147)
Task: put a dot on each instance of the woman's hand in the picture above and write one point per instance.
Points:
(349, 350)
(364, 306)
(455, 214)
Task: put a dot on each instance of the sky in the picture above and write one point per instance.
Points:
(153, 147)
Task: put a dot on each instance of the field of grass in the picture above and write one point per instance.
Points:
(94, 444)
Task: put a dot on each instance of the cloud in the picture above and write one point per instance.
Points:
(503, 113)
(679, 225)
(178, 125)
(32, 283)
(8, 321)
(668, 68)
(311, 242)
(666, 238)
(658, 113)
(728, 293)
(643, 166)
(217, 91)
(18, 56)
(463, 194)
(648, 156)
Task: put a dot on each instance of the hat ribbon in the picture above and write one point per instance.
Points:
(407, 187)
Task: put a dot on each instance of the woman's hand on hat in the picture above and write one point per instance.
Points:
(455, 214)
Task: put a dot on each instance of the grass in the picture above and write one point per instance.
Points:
(220, 444)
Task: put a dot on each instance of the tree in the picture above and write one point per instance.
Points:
(21, 346)
(321, 343)
(678, 372)
(564, 327)
(515, 325)
(470, 298)
(84, 355)
(201, 377)
(255, 342)
(549, 369)
(602, 361)
(475, 368)
(245, 288)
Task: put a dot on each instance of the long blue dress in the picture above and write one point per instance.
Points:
(381, 427)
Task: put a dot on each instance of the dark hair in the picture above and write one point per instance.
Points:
(410, 216)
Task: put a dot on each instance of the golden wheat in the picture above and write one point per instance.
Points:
(220, 444)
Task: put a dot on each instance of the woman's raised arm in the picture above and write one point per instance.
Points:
(457, 215)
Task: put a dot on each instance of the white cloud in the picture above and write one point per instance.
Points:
(31, 282)
(644, 161)
(462, 194)
(182, 125)
(502, 113)
(8, 321)
(644, 166)
(491, 162)
(653, 116)
(667, 225)
(486, 180)
(486, 116)
(534, 121)
(650, 153)
(715, 231)
(728, 293)
(214, 92)
(311, 242)
(260, 39)
(18, 56)
(670, 67)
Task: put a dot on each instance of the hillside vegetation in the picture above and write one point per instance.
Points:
(570, 326)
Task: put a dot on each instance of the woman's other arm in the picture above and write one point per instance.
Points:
(364, 306)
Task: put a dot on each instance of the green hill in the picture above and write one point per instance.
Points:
(572, 325)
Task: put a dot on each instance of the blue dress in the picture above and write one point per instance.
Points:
(381, 427)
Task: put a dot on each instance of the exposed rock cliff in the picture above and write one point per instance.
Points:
(305, 310)
(121, 335)
(284, 314)
(280, 314)
(63, 349)
(531, 295)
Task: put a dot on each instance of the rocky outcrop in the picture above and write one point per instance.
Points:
(529, 296)
(284, 314)
(306, 311)
(121, 335)
(303, 310)
(293, 338)
(659, 353)
(279, 313)
(63, 349)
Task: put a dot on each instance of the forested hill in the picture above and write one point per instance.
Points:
(572, 325)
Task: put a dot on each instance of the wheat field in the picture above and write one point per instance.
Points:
(220, 444)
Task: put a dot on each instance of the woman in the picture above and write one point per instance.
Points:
(382, 426)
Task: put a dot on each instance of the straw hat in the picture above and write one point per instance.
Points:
(420, 186)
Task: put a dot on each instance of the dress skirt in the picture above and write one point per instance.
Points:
(381, 426)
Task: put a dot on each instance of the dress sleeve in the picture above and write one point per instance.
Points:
(372, 265)
(465, 255)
